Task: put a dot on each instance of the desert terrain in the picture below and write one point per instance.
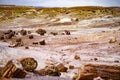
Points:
(73, 36)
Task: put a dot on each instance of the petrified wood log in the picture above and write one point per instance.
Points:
(90, 71)
(13, 69)
(29, 64)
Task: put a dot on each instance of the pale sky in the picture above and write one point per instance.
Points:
(61, 3)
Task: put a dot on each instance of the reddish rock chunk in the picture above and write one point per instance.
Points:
(31, 37)
(23, 32)
(26, 47)
(67, 32)
(62, 68)
(76, 57)
(42, 42)
(112, 40)
(50, 71)
(71, 67)
(41, 31)
(35, 43)
(54, 33)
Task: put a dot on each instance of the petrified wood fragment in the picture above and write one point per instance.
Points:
(13, 69)
(23, 32)
(31, 37)
(42, 42)
(41, 31)
(67, 32)
(17, 43)
(62, 68)
(29, 64)
(54, 33)
(50, 71)
(90, 71)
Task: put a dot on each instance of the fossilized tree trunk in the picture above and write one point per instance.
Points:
(90, 71)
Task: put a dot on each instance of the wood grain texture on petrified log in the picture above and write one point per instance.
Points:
(90, 71)
(12, 68)
(29, 64)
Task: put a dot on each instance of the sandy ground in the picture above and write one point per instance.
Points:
(88, 44)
